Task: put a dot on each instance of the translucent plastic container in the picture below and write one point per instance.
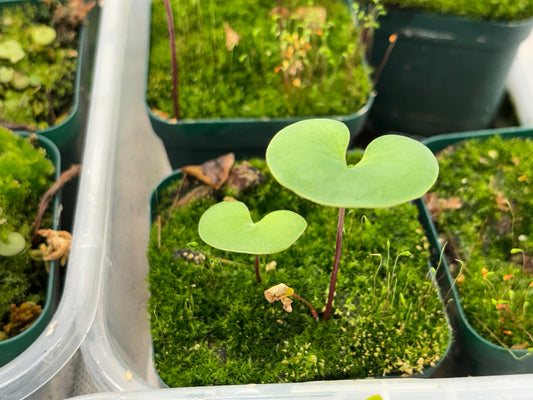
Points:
(48, 368)
(127, 160)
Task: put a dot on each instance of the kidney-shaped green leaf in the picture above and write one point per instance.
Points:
(229, 226)
(15, 244)
(309, 158)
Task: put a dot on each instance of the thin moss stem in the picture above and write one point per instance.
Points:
(172, 40)
(336, 261)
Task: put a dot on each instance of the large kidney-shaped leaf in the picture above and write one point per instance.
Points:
(229, 226)
(309, 158)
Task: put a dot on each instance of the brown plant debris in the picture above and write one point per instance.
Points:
(232, 37)
(436, 204)
(244, 176)
(213, 172)
(280, 292)
(65, 177)
(20, 318)
(57, 246)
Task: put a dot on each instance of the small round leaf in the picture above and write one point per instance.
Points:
(229, 226)
(15, 244)
(309, 158)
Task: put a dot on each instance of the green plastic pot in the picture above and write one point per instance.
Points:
(12, 347)
(191, 141)
(480, 357)
(445, 73)
(440, 369)
(67, 134)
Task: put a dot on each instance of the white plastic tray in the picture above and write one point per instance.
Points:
(106, 280)
(117, 350)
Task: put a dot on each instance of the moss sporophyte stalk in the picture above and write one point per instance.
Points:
(483, 207)
(212, 321)
(298, 58)
(38, 58)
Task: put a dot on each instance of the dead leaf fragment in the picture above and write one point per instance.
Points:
(213, 172)
(244, 176)
(436, 204)
(501, 202)
(280, 292)
(281, 11)
(313, 16)
(232, 37)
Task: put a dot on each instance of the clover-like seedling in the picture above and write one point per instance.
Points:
(309, 158)
(228, 226)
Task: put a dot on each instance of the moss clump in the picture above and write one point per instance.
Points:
(212, 325)
(484, 203)
(310, 69)
(36, 77)
(26, 175)
(493, 10)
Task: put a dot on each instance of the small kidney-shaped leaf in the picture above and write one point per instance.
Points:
(309, 158)
(15, 244)
(229, 226)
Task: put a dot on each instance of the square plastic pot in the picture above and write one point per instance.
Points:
(12, 347)
(190, 141)
(480, 357)
(67, 135)
(444, 74)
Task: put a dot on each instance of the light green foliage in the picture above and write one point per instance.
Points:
(309, 157)
(303, 69)
(212, 325)
(41, 88)
(229, 226)
(509, 10)
(491, 234)
(25, 176)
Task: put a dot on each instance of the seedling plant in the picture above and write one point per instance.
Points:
(213, 323)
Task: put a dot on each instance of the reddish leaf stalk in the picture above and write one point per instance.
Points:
(336, 261)
(257, 275)
(172, 39)
(313, 311)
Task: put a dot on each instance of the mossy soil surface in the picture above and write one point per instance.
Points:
(500, 10)
(25, 175)
(212, 325)
(483, 207)
(37, 66)
(234, 61)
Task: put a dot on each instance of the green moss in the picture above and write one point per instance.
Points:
(47, 70)
(212, 325)
(26, 175)
(505, 10)
(217, 83)
(492, 180)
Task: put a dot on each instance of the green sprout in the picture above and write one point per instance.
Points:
(228, 226)
(309, 158)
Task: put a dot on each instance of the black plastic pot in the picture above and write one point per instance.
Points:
(445, 73)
